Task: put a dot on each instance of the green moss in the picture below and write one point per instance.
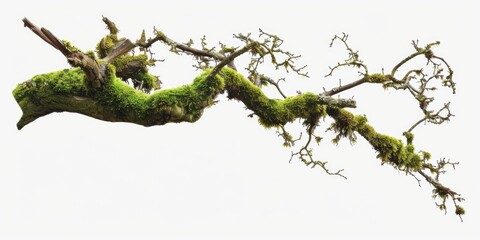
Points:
(148, 81)
(122, 62)
(271, 112)
(303, 106)
(117, 101)
(110, 25)
(48, 93)
(390, 150)
(135, 68)
(67, 81)
(426, 155)
(105, 46)
(377, 78)
(409, 136)
(124, 100)
(91, 54)
(70, 46)
(185, 103)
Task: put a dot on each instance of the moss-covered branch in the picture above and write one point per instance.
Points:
(394, 152)
(97, 86)
(390, 150)
(118, 102)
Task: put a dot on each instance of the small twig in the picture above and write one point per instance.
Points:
(418, 180)
(230, 58)
(353, 59)
(416, 124)
(305, 155)
(184, 47)
(345, 87)
(275, 84)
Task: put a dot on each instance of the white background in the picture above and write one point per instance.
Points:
(68, 176)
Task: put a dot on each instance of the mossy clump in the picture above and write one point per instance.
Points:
(50, 92)
(185, 103)
(125, 62)
(145, 81)
(189, 99)
(377, 78)
(67, 82)
(70, 46)
(135, 68)
(106, 45)
(127, 102)
(426, 155)
(409, 136)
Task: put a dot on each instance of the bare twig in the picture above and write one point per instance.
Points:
(345, 87)
(230, 58)
(160, 36)
(353, 59)
(306, 156)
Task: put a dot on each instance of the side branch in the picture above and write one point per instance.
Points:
(394, 152)
(162, 37)
(231, 57)
(48, 37)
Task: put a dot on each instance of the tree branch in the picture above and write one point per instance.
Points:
(231, 57)
(160, 36)
(392, 151)
(345, 87)
(95, 88)
(47, 36)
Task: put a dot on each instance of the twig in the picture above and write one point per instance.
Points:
(230, 58)
(346, 87)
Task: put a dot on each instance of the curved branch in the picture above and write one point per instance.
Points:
(117, 102)
(420, 51)
(95, 89)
